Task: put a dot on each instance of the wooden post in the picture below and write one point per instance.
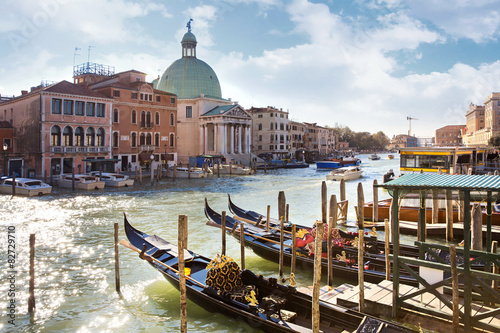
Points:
(136, 173)
(395, 252)
(268, 218)
(242, 246)
(477, 228)
(223, 228)
(45, 176)
(182, 244)
(117, 261)
(282, 247)
(287, 216)
(175, 172)
(281, 205)
(496, 268)
(375, 201)
(152, 173)
(387, 251)
(455, 291)
(421, 228)
(333, 210)
(31, 299)
(449, 216)
(317, 277)
(218, 169)
(72, 179)
(329, 252)
(391, 219)
(361, 232)
(189, 170)
(294, 249)
(435, 206)
(231, 167)
(324, 201)
(140, 175)
(342, 189)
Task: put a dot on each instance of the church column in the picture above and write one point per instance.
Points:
(216, 136)
(224, 139)
(232, 139)
(249, 139)
(239, 139)
(205, 136)
(202, 138)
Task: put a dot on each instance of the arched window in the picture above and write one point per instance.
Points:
(79, 137)
(260, 127)
(133, 142)
(55, 136)
(148, 139)
(157, 139)
(172, 119)
(115, 139)
(142, 139)
(172, 140)
(271, 126)
(143, 118)
(67, 136)
(157, 118)
(90, 140)
(116, 116)
(101, 137)
(134, 117)
(148, 119)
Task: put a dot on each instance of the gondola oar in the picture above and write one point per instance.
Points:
(130, 246)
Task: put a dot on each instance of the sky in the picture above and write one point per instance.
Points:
(364, 64)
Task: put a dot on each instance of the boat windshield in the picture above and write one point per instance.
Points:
(33, 183)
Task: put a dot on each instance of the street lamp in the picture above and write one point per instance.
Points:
(152, 157)
(5, 147)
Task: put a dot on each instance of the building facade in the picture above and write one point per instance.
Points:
(482, 122)
(270, 132)
(449, 136)
(6, 142)
(57, 128)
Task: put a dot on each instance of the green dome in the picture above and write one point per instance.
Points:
(188, 37)
(189, 78)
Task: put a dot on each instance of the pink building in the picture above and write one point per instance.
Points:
(57, 128)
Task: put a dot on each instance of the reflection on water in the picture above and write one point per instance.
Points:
(75, 282)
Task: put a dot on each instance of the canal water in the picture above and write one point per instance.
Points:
(74, 268)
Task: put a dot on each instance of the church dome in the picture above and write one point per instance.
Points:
(190, 77)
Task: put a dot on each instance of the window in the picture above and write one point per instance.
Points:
(90, 139)
(259, 116)
(55, 136)
(172, 100)
(68, 107)
(172, 119)
(282, 127)
(158, 98)
(149, 139)
(271, 126)
(270, 115)
(172, 140)
(260, 127)
(100, 110)
(142, 139)
(115, 139)
(157, 118)
(79, 136)
(116, 116)
(134, 117)
(67, 136)
(133, 140)
(116, 93)
(143, 118)
(189, 112)
(148, 120)
(260, 137)
(56, 106)
(79, 107)
(90, 109)
(157, 139)
(101, 134)
(7, 142)
(134, 95)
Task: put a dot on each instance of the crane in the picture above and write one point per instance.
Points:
(409, 118)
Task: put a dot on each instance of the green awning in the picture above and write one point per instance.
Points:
(101, 160)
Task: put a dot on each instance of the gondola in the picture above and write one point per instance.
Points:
(376, 245)
(263, 303)
(267, 245)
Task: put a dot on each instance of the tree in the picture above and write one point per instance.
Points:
(494, 141)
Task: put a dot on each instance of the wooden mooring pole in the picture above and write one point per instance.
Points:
(223, 228)
(268, 217)
(282, 247)
(375, 201)
(361, 232)
(455, 291)
(242, 248)
(31, 299)
(294, 250)
(387, 251)
(182, 244)
(317, 277)
(117, 261)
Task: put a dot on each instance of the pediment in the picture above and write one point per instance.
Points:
(237, 111)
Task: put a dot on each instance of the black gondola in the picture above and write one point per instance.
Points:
(278, 308)
(266, 244)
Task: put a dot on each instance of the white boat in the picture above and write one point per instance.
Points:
(82, 182)
(347, 173)
(187, 173)
(374, 157)
(230, 169)
(114, 179)
(25, 186)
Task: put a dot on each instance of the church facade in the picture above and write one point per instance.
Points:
(207, 124)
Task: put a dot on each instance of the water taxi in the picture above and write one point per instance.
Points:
(347, 173)
(82, 182)
(25, 187)
(113, 179)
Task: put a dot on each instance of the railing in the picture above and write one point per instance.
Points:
(146, 148)
(78, 149)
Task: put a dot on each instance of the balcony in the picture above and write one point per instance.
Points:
(143, 148)
(78, 149)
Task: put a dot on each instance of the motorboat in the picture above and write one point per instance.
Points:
(231, 169)
(390, 156)
(182, 172)
(113, 179)
(25, 186)
(374, 157)
(335, 163)
(81, 181)
(347, 173)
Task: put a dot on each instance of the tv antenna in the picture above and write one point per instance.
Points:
(409, 118)
(88, 53)
(75, 54)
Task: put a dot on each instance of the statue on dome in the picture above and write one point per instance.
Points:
(188, 25)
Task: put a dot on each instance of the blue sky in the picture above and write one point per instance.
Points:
(366, 64)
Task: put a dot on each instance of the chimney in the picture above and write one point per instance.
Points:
(24, 92)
